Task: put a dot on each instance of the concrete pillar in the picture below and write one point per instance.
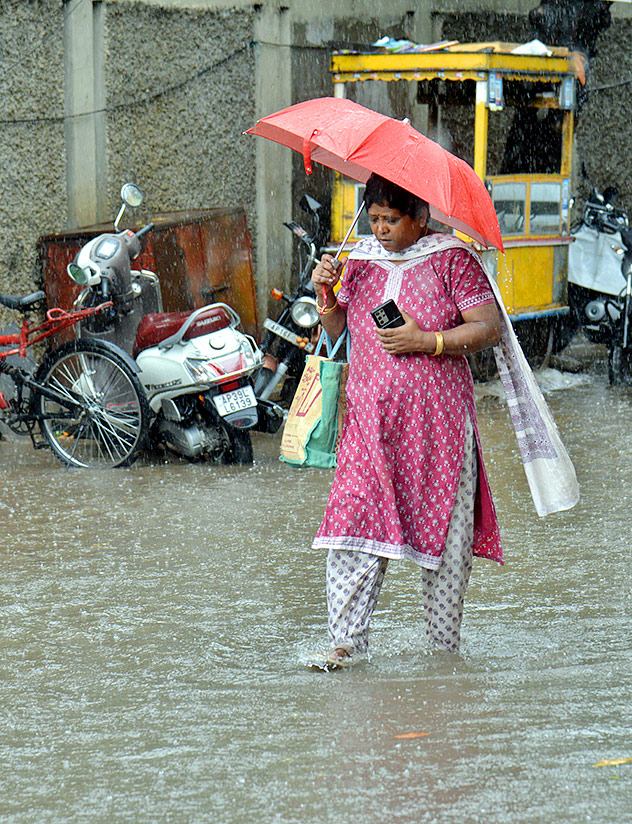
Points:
(83, 109)
(273, 90)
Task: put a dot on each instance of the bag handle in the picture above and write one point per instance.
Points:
(332, 348)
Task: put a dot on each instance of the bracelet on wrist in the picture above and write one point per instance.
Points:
(439, 345)
(325, 310)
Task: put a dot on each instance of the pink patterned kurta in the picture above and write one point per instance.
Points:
(401, 451)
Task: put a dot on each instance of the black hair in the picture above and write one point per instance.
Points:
(381, 191)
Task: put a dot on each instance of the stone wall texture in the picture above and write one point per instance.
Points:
(180, 92)
(32, 145)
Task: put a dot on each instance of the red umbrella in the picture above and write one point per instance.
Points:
(357, 141)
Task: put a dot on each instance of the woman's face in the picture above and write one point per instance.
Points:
(394, 230)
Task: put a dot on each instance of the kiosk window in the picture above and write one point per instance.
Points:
(544, 216)
(510, 201)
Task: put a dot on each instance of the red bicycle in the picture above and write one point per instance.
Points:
(83, 401)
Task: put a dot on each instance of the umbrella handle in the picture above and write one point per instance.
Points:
(343, 244)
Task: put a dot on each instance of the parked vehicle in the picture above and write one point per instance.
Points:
(84, 400)
(291, 336)
(600, 281)
(195, 367)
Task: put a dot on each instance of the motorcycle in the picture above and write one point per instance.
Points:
(195, 367)
(600, 281)
(290, 338)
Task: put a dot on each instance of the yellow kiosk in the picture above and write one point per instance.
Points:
(510, 115)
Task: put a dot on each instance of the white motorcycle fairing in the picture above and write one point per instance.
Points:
(195, 365)
(594, 263)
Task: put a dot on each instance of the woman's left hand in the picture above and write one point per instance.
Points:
(479, 330)
(403, 340)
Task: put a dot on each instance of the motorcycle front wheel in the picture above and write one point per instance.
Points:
(108, 421)
(619, 366)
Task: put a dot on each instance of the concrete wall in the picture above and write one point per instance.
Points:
(603, 129)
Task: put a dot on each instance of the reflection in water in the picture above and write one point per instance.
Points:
(153, 621)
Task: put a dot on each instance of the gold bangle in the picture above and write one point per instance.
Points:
(323, 310)
(439, 347)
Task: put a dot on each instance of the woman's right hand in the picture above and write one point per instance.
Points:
(326, 273)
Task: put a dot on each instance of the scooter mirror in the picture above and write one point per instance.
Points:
(131, 195)
(76, 273)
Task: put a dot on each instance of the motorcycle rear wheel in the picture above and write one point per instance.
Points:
(240, 450)
(111, 424)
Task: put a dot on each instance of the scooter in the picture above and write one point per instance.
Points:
(195, 367)
(291, 337)
(600, 281)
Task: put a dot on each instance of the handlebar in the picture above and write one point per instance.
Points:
(145, 230)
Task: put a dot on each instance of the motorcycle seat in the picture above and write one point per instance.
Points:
(159, 326)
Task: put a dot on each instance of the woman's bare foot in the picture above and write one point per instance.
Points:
(339, 657)
(338, 654)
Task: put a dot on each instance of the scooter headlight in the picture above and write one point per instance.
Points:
(305, 313)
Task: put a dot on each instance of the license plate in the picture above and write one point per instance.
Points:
(235, 401)
(284, 333)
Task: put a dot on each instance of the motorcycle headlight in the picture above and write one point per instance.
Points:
(305, 313)
(595, 310)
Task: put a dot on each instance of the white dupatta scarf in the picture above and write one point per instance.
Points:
(549, 470)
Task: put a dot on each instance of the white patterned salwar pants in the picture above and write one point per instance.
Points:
(354, 579)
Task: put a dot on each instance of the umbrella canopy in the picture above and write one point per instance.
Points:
(357, 141)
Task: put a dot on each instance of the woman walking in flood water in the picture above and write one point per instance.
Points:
(410, 481)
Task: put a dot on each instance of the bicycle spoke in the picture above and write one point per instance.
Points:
(111, 415)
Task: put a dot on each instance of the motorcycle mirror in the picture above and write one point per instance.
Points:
(309, 204)
(76, 273)
(131, 195)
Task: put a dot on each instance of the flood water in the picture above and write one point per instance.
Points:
(154, 621)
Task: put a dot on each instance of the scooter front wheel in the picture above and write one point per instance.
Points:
(107, 419)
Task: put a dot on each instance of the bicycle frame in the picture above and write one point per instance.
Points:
(56, 320)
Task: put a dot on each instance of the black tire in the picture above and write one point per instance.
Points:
(483, 366)
(565, 329)
(240, 451)
(536, 339)
(618, 366)
(111, 422)
(288, 390)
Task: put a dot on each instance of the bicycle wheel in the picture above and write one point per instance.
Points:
(109, 424)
